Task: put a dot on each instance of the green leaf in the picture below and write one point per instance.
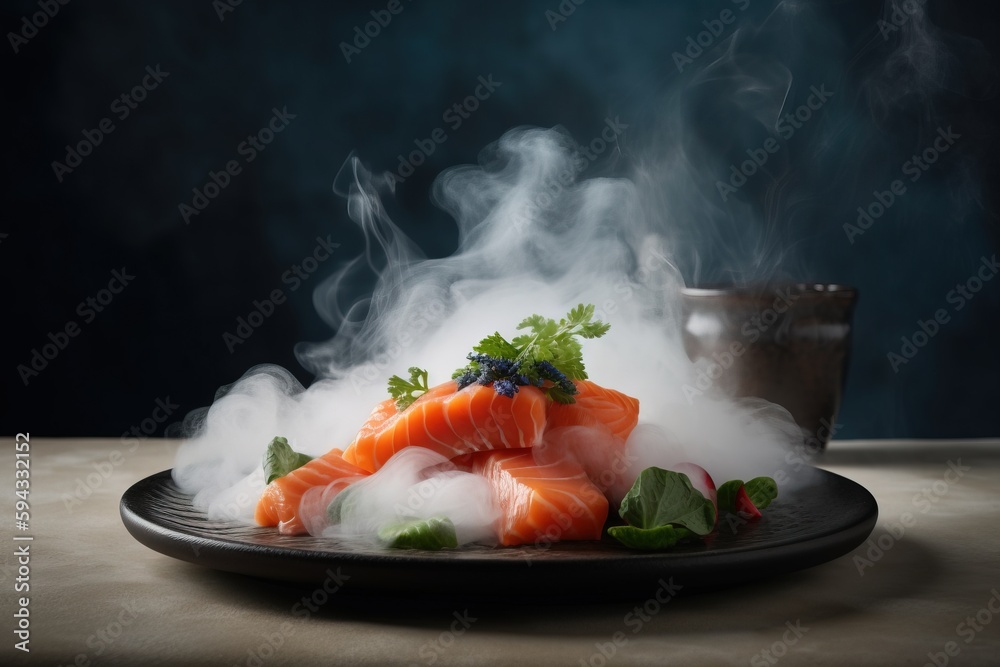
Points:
(580, 314)
(560, 396)
(661, 537)
(660, 497)
(726, 495)
(595, 329)
(280, 459)
(557, 343)
(761, 490)
(434, 533)
(407, 391)
(497, 346)
(572, 367)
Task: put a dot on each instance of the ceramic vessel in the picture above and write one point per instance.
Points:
(787, 343)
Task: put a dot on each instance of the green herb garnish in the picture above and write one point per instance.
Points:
(550, 353)
(660, 497)
(407, 391)
(280, 459)
(760, 491)
(661, 508)
(434, 533)
(661, 537)
(727, 495)
(556, 342)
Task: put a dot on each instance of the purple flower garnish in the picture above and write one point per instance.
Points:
(505, 388)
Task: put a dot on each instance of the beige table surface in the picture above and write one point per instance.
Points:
(99, 597)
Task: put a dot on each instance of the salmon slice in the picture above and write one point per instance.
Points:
(451, 423)
(596, 407)
(542, 503)
(279, 504)
(592, 433)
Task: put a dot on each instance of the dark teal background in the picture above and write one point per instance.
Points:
(162, 337)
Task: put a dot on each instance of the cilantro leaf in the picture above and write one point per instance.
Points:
(407, 391)
(549, 355)
(556, 342)
(560, 396)
(280, 459)
(497, 346)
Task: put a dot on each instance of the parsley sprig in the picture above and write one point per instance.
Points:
(407, 391)
(548, 355)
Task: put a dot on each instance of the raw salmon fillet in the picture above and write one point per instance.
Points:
(452, 423)
(596, 407)
(592, 433)
(542, 502)
(279, 504)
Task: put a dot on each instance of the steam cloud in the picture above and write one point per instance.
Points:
(527, 244)
(534, 237)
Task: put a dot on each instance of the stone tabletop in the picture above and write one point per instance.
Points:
(925, 589)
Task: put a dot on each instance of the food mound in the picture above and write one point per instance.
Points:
(549, 443)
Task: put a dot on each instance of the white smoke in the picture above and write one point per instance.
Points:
(529, 243)
(415, 483)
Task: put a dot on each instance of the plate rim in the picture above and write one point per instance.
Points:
(231, 555)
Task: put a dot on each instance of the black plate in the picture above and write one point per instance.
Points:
(801, 529)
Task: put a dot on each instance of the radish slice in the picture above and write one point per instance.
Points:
(702, 481)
